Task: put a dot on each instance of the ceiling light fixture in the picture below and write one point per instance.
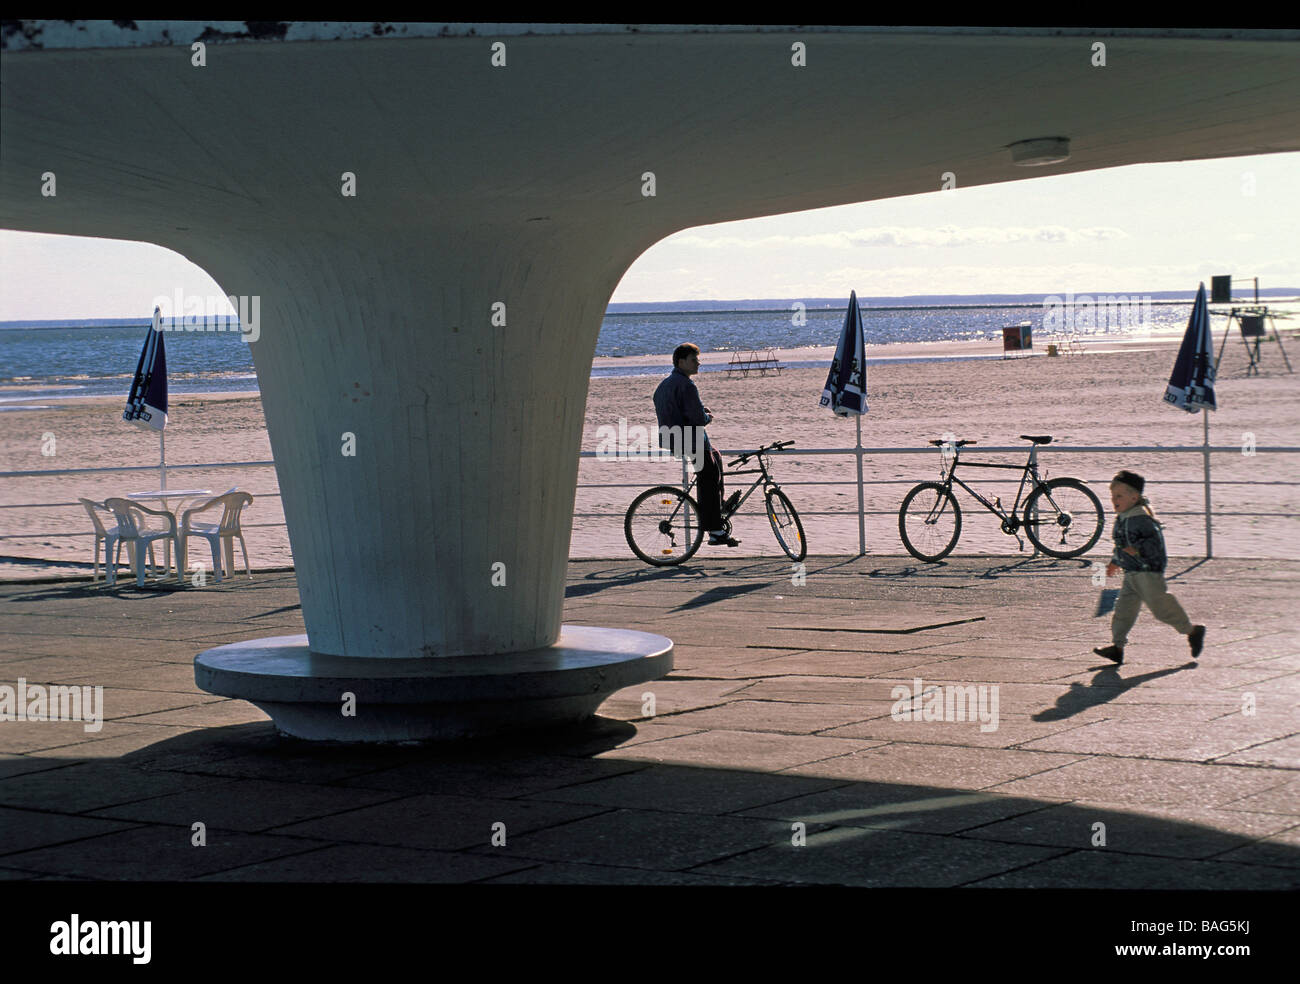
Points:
(1041, 150)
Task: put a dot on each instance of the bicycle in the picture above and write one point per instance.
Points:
(1062, 517)
(663, 523)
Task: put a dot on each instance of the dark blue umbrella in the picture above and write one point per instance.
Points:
(846, 391)
(1191, 386)
(147, 404)
(846, 384)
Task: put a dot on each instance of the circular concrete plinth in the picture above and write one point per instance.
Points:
(305, 693)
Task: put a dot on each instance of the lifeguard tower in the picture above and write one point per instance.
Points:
(1250, 321)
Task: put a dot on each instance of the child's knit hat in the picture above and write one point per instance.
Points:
(1131, 479)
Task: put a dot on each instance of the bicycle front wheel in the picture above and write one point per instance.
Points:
(1063, 518)
(786, 525)
(663, 526)
(929, 521)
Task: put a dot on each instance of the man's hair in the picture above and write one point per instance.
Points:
(683, 350)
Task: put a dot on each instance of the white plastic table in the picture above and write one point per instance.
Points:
(163, 495)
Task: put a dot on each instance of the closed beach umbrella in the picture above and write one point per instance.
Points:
(147, 404)
(1191, 386)
(846, 384)
(846, 391)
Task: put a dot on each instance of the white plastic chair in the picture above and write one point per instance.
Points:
(105, 535)
(139, 534)
(232, 503)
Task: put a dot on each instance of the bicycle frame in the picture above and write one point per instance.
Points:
(764, 480)
(1028, 469)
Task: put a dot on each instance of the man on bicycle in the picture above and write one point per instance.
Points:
(682, 417)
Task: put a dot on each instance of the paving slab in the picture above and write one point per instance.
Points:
(873, 858)
(440, 821)
(1214, 740)
(782, 717)
(1283, 798)
(893, 806)
(647, 839)
(1281, 849)
(1189, 832)
(250, 805)
(371, 863)
(1142, 782)
(1097, 868)
(1281, 752)
(595, 874)
(528, 774)
(154, 853)
(25, 829)
(85, 786)
(741, 750)
(679, 789)
(950, 766)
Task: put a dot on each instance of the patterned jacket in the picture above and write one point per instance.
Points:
(1134, 528)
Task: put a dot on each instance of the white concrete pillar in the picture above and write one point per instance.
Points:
(424, 393)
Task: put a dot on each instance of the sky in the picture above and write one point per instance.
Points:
(1145, 227)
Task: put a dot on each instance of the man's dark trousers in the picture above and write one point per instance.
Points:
(709, 489)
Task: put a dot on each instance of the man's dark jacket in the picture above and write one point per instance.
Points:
(680, 412)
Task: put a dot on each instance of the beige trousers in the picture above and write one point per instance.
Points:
(1149, 587)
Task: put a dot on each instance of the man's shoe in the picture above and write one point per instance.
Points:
(1115, 653)
(1196, 639)
(725, 540)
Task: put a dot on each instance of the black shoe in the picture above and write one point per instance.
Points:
(1196, 639)
(1115, 653)
(726, 540)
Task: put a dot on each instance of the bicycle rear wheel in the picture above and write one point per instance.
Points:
(1063, 518)
(786, 525)
(929, 521)
(662, 526)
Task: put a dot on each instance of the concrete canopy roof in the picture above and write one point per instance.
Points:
(728, 126)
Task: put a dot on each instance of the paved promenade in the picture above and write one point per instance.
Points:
(774, 753)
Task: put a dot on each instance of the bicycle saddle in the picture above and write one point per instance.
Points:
(957, 444)
(1036, 440)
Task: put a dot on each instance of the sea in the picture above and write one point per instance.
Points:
(51, 360)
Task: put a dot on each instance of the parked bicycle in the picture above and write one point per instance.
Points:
(1062, 517)
(663, 523)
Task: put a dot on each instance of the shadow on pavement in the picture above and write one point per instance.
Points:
(1105, 687)
(569, 809)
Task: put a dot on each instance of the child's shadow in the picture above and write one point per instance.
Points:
(1105, 686)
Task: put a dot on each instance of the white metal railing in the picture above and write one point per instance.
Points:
(45, 472)
(1207, 452)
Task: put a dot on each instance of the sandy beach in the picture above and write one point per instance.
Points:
(1108, 396)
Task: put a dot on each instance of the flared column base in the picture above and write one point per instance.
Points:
(348, 699)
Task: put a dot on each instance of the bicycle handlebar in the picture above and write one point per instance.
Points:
(763, 450)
